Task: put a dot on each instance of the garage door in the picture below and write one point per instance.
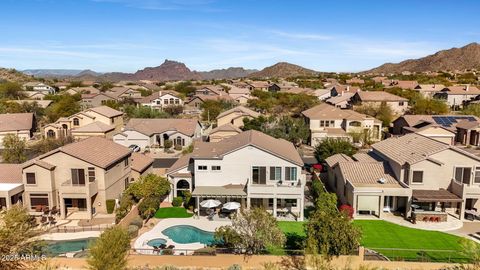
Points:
(368, 204)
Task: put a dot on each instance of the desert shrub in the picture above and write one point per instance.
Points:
(133, 231)
(148, 207)
(207, 251)
(235, 267)
(177, 201)
(110, 206)
(137, 221)
(178, 147)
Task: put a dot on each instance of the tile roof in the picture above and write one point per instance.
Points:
(160, 125)
(379, 96)
(41, 103)
(182, 162)
(340, 98)
(141, 162)
(105, 111)
(335, 159)
(156, 95)
(226, 127)
(462, 90)
(326, 111)
(94, 127)
(96, 150)
(16, 121)
(39, 162)
(10, 173)
(279, 147)
(368, 174)
(430, 87)
(240, 110)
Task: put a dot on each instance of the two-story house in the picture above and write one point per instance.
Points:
(235, 116)
(457, 95)
(411, 171)
(399, 105)
(101, 121)
(161, 99)
(39, 87)
(77, 179)
(328, 121)
(20, 124)
(146, 133)
(251, 168)
(11, 185)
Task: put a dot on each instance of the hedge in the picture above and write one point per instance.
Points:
(110, 206)
(177, 201)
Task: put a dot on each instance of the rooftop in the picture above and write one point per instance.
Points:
(141, 162)
(16, 121)
(240, 110)
(160, 125)
(10, 173)
(105, 111)
(369, 174)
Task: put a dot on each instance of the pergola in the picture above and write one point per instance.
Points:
(219, 192)
(440, 195)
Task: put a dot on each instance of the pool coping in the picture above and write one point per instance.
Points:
(156, 232)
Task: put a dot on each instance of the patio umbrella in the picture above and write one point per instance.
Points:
(210, 203)
(231, 205)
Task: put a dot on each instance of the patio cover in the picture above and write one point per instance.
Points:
(219, 191)
(440, 195)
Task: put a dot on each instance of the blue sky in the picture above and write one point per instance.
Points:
(126, 35)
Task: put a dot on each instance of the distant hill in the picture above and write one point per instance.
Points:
(283, 70)
(467, 57)
(14, 75)
(59, 73)
(229, 73)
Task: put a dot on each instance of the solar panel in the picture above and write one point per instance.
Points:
(448, 121)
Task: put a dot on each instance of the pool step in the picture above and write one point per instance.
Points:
(475, 237)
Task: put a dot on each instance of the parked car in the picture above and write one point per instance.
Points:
(134, 148)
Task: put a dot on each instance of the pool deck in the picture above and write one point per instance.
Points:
(69, 236)
(156, 232)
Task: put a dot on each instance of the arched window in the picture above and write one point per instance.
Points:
(171, 101)
(64, 126)
(76, 122)
(51, 134)
(355, 124)
(183, 184)
(179, 141)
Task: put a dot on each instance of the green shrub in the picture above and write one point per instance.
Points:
(148, 207)
(133, 231)
(207, 251)
(167, 251)
(235, 267)
(110, 206)
(137, 221)
(177, 201)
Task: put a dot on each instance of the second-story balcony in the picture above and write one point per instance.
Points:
(87, 188)
(279, 188)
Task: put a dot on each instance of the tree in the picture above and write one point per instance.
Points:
(429, 106)
(472, 109)
(133, 111)
(17, 229)
(384, 114)
(256, 228)
(331, 146)
(110, 251)
(212, 108)
(330, 232)
(48, 144)
(63, 106)
(173, 109)
(14, 149)
(11, 90)
(471, 250)
(150, 185)
(291, 129)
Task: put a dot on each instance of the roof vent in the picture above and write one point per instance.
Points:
(382, 181)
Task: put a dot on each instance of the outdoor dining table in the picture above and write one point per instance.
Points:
(472, 213)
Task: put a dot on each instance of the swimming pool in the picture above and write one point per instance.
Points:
(61, 247)
(157, 242)
(185, 234)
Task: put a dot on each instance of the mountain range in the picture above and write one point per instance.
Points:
(467, 57)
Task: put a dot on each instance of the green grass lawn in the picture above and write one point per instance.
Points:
(172, 212)
(379, 234)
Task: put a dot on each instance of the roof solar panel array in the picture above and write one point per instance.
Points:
(448, 121)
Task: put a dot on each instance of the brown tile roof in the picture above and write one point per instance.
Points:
(365, 157)
(379, 96)
(335, 159)
(160, 125)
(346, 88)
(340, 98)
(41, 103)
(430, 87)
(38, 162)
(462, 90)
(240, 109)
(141, 162)
(105, 111)
(329, 112)
(368, 174)
(226, 127)
(413, 120)
(16, 121)
(278, 147)
(181, 163)
(156, 95)
(211, 97)
(96, 150)
(10, 173)
(94, 127)
(465, 124)
(405, 84)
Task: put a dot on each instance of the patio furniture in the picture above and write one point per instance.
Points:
(432, 219)
(43, 220)
(211, 215)
(472, 214)
(52, 221)
(231, 206)
(210, 203)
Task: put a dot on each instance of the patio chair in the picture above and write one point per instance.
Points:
(211, 215)
(437, 219)
(43, 220)
(52, 221)
(432, 219)
(425, 219)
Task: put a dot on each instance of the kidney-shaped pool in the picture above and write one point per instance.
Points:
(185, 234)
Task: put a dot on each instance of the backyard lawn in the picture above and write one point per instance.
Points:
(382, 236)
(172, 212)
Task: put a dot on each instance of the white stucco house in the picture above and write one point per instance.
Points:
(154, 132)
(160, 100)
(251, 168)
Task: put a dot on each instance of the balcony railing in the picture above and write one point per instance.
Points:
(89, 188)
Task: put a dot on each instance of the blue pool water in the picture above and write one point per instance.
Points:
(184, 234)
(156, 242)
(61, 247)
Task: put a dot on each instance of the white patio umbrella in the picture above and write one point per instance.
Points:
(210, 203)
(231, 205)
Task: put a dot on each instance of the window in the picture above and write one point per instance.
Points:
(37, 201)
(327, 123)
(276, 173)
(270, 203)
(290, 173)
(158, 102)
(291, 202)
(78, 177)
(202, 167)
(259, 175)
(31, 179)
(417, 177)
(76, 122)
(127, 182)
(216, 168)
(126, 161)
(177, 101)
(91, 174)
(50, 133)
(477, 176)
(171, 101)
(400, 103)
(165, 101)
(463, 174)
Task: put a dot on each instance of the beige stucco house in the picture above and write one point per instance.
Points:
(77, 179)
(235, 116)
(11, 185)
(223, 132)
(399, 105)
(141, 166)
(101, 121)
(21, 124)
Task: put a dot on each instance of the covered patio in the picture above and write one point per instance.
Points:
(224, 194)
(435, 205)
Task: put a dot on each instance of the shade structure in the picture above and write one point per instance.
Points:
(210, 203)
(231, 205)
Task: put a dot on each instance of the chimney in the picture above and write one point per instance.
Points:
(348, 88)
(467, 87)
(342, 93)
